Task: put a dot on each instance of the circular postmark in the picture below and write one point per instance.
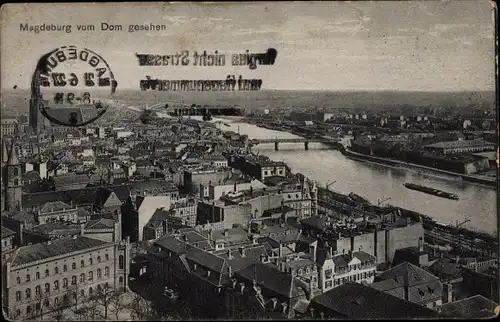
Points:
(69, 86)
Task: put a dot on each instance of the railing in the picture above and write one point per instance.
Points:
(294, 140)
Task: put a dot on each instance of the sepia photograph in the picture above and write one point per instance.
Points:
(309, 160)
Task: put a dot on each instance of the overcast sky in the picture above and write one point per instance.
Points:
(414, 45)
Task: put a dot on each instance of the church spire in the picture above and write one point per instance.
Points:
(13, 159)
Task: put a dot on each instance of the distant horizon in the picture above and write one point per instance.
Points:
(291, 90)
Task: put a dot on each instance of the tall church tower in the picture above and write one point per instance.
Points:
(11, 177)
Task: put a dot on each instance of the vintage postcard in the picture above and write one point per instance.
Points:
(249, 160)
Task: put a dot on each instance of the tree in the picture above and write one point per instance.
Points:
(117, 305)
(105, 297)
(141, 309)
(58, 309)
(89, 309)
(41, 299)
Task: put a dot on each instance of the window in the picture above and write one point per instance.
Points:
(46, 273)
(46, 303)
(73, 280)
(107, 257)
(73, 266)
(106, 286)
(300, 271)
(98, 259)
(82, 263)
(82, 293)
(121, 262)
(91, 261)
(65, 283)
(28, 293)
(82, 278)
(106, 271)
(91, 276)
(47, 288)
(56, 301)
(56, 285)
(28, 278)
(307, 270)
(65, 298)
(37, 275)
(18, 312)
(18, 280)
(121, 279)
(18, 296)
(56, 270)
(28, 309)
(16, 181)
(38, 290)
(328, 273)
(91, 291)
(99, 273)
(65, 268)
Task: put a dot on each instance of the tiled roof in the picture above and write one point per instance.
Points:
(56, 228)
(36, 252)
(356, 301)
(415, 274)
(71, 178)
(171, 243)
(445, 269)
(6, 232)
(102, 223)
(474, 307)
(21, 216)
(422, 286)
(237, 262)
(78, 196)
(31, 175)
(54, 206)
(270, 277)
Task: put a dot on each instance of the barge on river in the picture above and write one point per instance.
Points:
(431, 191)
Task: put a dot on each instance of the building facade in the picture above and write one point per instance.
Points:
(40, 276)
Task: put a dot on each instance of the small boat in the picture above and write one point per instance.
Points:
(431, 191)
(226, 124)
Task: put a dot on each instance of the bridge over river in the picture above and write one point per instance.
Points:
(306, 141)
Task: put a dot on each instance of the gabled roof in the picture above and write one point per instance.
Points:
(6, 232)
(102, 223)
(356, 301)
(415, 274)
(36, 252)
(54, 206)
(422, 286)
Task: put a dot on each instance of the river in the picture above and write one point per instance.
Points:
(377, 182)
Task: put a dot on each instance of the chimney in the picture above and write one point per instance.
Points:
(280, 254)
(251, 191)
(311, 290)
(49, 242)
(229, 255)
(230, 272)
(242, 251)
(420, 244)
(448, 292)
(405, 286)
(226, 232)
(82, 229)
(235, 186)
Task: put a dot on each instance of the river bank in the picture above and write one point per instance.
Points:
(485, 181)
(376, 182)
